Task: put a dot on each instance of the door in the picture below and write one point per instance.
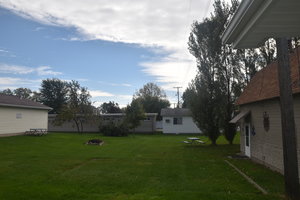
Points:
(247, 139)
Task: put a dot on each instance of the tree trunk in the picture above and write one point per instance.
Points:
(77, 125)
(81, 126)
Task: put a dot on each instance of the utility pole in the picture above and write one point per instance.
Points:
(177, 95)
(287, 120)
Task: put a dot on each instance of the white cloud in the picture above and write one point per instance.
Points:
(115, 84)
(97, 103)
(164, 25)
(46, 70)
(172, 71)
(3, 51)
(39, 28)
(15, 69)
(12, 83)
(125, 97)
(98, 93)
(9, 81)
(126, 85)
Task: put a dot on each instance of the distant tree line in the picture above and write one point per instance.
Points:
(72, 102)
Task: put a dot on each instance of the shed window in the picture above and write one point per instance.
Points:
(167, 121)
(19, 115)
(147, 119)
(177, 120)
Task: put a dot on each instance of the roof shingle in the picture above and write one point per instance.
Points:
(14, 101)
(264, 85)
(177, 112)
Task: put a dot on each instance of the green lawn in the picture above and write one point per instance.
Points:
(137, 167)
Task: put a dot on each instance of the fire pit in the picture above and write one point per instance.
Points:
(95, 142)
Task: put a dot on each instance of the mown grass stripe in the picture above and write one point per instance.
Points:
(247, 178)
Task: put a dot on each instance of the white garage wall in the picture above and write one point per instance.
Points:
(187, 126)
(19, 120)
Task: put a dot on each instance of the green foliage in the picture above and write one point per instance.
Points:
(110, 107)
(23, 93)
(7, 92)
(217, 72)
(77, 108)
(134, 113)
(223, 72)
(202, 103)
(152, 98)
(54, 94)
(151, 90)
(114, 129)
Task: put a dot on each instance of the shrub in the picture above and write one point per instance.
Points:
(112, 129)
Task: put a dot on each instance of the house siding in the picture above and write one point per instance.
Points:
(71, 126)
(18, 120)
(146, 126)
(266, 146)
(187, 126)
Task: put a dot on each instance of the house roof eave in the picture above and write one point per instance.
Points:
(255, 21)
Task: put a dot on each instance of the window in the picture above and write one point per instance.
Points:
(147, 119)
(167, 121)
(19, 115)
(177, 120)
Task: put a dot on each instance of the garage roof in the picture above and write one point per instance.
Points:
(14, 101)
(175, 112)
(264, 85)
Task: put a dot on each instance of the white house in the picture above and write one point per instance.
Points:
(178, 121)
(20, 115)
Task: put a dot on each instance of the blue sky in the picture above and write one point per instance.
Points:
(112, 47)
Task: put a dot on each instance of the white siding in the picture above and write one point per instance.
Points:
(187, 126)
(19, 120)
(266, 146)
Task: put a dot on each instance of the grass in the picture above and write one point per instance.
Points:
(138, 167)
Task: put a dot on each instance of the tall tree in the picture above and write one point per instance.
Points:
(24, 93)
(36, 96)
(110, 107)
(7, 92)
(78, 107)
(223, 71)
(151, 90)
(268, 52)
(218, 75)
(152, 98)
(54, 94)
(202, 102)
(134, 114)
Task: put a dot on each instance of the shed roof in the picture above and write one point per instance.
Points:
(14, 101)
(176, 112)
(264, 85)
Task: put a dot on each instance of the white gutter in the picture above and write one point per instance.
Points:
(244, 19)
(22, 106)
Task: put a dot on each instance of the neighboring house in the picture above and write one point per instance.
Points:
(70, 126)
(20, 115)
(260, 118)
(178, 121)
(147, 125)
